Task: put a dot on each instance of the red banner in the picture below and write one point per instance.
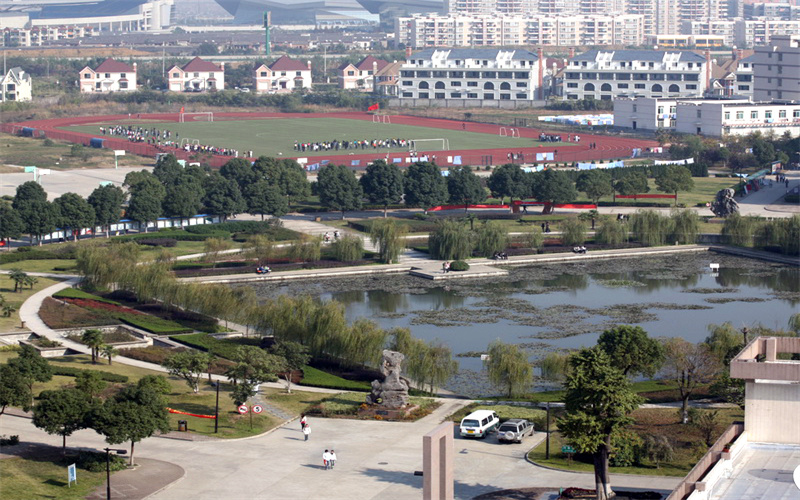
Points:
(190, 414)
(634, 196)
(374, 107)
(461, 207)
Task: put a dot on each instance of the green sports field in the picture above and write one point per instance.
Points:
(276, 136)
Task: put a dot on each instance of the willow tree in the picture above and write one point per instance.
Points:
(390, 238)
(490, 237)
(348, 248)
(610, 232)
(573, 232)
(508, 368)
(650, 228)
(685, 225)
(739, 230)
(451, 240)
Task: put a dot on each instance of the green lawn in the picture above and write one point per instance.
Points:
(58, 266)
(11, 323)
(45, 477)
(275, 137)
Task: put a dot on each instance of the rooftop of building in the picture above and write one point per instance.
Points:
(761, 470)
(198, 64)
(452, 54)
(285, 63)
(640, 55)
(113, 66)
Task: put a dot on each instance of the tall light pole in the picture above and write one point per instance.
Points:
(108, 468)
(216, 410)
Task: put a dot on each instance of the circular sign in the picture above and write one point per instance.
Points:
(257, 409)
(243, 409)
(796, 477)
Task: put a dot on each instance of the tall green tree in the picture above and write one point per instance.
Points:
(14, 389)
(222, 196)
(184, 197)
(264, 198)
(424, 186)
(107, 204)
(509, 180)
(690, 366)
(94, 339)
(674, 178)
(295, 356)
(631, 350)
(390, 238)
(338, 188)
(451, 240)
(188, 365)
(287, 174)
(240, 171)
(90, 383)
(508, 368)
(74, 212)
(134, 413)
(146, 198)
(552, 187)
(39, 217)
(465, 187)
(598, 403)
(11, 225)
(167, 169)
(382, 184)
(62, 412)
(595, 183)
(32, 367)
(633, 182)
(254, 366)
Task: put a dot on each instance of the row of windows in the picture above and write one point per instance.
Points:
(194, 75)
(630, 64)
(606, 87)
(88, 76)
(486, 85)
(485, 62)
(518, 75)
(264, 74)
(466, 95)
(670, 77)
(754, 115)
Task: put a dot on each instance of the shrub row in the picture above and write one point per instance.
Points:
(242, 229)
(153, 324)
(206, 265)
(74, 293)
(174, 234)
(23, 254)
(68, 371)
(223, 348)
(275, 266)
(158, 242)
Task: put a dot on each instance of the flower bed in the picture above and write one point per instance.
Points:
(102, 306)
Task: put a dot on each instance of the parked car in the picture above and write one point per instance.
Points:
(479, 423)
(513, 430)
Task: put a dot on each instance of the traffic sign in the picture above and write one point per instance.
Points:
(257, 409)
(243, 409)
(567, 449)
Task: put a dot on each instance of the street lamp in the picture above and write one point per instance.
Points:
(108, 468)
(216, 410)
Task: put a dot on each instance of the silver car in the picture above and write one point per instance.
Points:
(513, 430)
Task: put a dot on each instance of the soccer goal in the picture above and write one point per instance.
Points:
(200, 116)
(381, 119)
(416, 144)
(190, 141)
(508, 132)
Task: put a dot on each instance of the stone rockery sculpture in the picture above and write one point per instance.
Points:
(392, 393)
(724, 204)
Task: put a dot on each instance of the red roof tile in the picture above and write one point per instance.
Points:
(112, 66)
(286, 64)
(198, 64)
(367, 63)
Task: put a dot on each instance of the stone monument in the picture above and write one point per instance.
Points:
(724, 204)
(392, 393)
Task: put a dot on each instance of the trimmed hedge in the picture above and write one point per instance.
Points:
(459, 265)
(68, 371)
(158, 242)
(317, 378)
(208, 265)
(74, 293)
(223, 348)
(22, 254)
(152, 324)
(174, 234)
(241, 229)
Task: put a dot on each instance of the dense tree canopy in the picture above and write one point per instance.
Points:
(263, 198)
(631, 350)
(338, 188)
(553, 186)
(184, 197)
(287, 174)
(674, 178)
(382, 184)
(509, 180)
(107, 204)
(595, 183)
(222, 196)
(508, 368)
(633, 182)
(146, 197)
(424, 186)
(61, 412)
(11, 225)
(167, 169)
(75, 213)
(464, 186)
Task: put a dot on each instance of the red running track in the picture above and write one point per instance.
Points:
(608, 147)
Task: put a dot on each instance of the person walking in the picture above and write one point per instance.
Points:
(306, 431)
(326, 460)
(332, 458)
(303, 421)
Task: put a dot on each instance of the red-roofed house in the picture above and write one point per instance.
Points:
(110, 76)
(283, 75)
(197, 76)
(361, 75)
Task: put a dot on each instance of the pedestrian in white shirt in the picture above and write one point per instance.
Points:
(306, 431)
(332, 458)
(326, 460)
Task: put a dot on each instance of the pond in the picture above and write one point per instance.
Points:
(558, 306)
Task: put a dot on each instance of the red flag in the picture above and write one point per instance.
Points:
(181, 109)
(374, 107)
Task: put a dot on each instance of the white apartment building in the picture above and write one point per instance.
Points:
(426, 31)
(713, 117)
(777, 69)
(196, 76)
(724, 28)
(361, 76)
(718, 118)
(34, 37)
(471, 74)
(490, 6)
(109, 76)
(752, 32)
(608, 74)
(16, 85)
(283, 75)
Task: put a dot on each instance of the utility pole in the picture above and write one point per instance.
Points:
(267, 27)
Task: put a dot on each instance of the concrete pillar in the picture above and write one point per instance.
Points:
(708, 70)
(437, 463)
(771, 348)
(540, 55)
(408, 53)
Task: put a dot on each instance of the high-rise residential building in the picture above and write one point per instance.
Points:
(776, 69)
(491, 6)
